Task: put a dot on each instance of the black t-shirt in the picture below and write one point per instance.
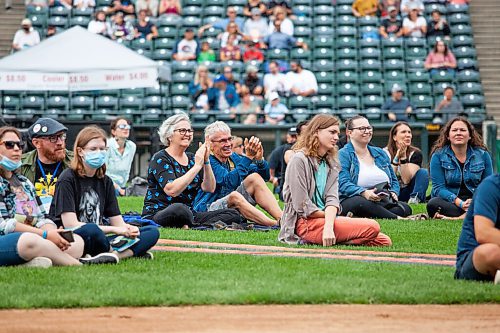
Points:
(392, 27)
(145, 30)
(277, 159)
(416, 158)
(91, 198)
(464, 193)
(164, 169)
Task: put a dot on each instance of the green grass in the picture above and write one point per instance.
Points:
(194, 278)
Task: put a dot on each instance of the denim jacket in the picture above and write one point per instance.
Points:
(447, 176)
(348, 177)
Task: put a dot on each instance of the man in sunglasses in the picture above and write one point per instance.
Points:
(43, 165)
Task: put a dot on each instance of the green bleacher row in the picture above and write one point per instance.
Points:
(369, 67)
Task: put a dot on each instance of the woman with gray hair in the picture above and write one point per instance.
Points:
(175, 177)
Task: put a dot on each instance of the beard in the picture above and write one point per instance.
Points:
(54, 155)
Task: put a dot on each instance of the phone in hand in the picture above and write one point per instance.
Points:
(383, 194)
(67, 235)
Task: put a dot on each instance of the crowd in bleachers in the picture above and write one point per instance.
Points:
(351, 55)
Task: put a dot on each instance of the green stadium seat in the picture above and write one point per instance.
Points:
(169, 32)
(58, 103)
(424, 114)
(300, 54)
(346, 20)
(416, 53)
(325, 77)
(38, 20)
(372, 101)
(132, 92)
(442, 76)
(348, 102)
(106, 102)
(145, 53)
(457, 9)
(323, 20)
(303, 21)
(346, 31)
(468, 76)
(300, 10)
(155, 91)
(181, 102)
(373, 114)
(323, 31)
(151, 116)
(368, 31)
(395, 75)
(191, 11)
(347, 64)
(277, 54)
(324, 10)
(172, 21)
(369, 21)
(369, 42)
(476, 115)
(323, 65)
(419, 76)
(161, 54)
(199, 3)
(466, 63)
(303, 2)
(345, 10)
(347, 53)
(458, 18)
(220, 3)
(415, 42)
(415, 65)
(142, 43)
(438, 88)
(371, 76)
(179, 89)
(470, 88)
(103, 3)
(11, 102)
(472, 100)
(370, 64)
(392, 42)
(214, 11)
(461, 29)
(346, 42)
(37, 10)
(153, 102)
(209, 20)
(324, 53)
(59, 11)
(370, 53)
(432, 40)
(211, 32)
(393, 53)
(420, 88)
(372, 88)
(347, 89)
(87, 12)
(326, 102)
(394, 64)
(82, 103)
(82, 21)
(237, 66)
(326, 89)
(33, 102)
(182, 77)
(296, 102)
(347, 113)
(463, 40)
(422, 101)
(347, 77)
(465, 52)
(389, 84)
(323, 2)
(302, 31)
(429, 8)
(191, 22)
(300, 115)
(130, 102)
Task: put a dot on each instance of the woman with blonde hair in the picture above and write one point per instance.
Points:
(198, 88)
(85, 195)
(311, 194)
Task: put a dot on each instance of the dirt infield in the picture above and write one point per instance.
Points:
(252, 318)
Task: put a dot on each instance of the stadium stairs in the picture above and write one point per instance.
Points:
(10, 22)
(485, 15)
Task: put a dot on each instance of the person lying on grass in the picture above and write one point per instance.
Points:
(85, 195)
(175, 177)
(241, 180)
(311, 194)
(478, 253)
(24, 233)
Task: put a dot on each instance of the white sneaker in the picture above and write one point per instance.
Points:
(102, 258)
(38, 262)
(497, 277)
(413, 200)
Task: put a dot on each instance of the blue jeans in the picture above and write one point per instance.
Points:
(467, 271)
(149, 236)
(9, 256)
(94, 239)
(417, 186)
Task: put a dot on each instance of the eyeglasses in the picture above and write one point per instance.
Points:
(363, 129)
(184, 131)
(224, 141)
(12, 144)
(54, 138)
(124, 126)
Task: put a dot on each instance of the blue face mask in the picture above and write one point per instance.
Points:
(9, 164)
(96, 159)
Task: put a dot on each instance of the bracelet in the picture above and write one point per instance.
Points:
(461, 204)
(207, 163)
(44, 234)
(403, 161)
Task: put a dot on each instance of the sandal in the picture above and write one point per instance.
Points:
(418, 217)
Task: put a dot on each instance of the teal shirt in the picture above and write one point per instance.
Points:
(320, 177)
(118, 165)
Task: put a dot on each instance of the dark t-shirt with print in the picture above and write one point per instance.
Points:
(164, 169)
(91, 198)
(392, 27)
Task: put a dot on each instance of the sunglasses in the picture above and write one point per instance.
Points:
(12, 144)
(124, 126)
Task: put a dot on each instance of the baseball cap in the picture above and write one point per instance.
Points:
(391, 8)
(292, 131)
(251, 69)
(273, 95)
(45, 127)
(396, 88)
(220, 78)
(26, 21)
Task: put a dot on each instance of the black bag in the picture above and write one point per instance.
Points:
(387, 201)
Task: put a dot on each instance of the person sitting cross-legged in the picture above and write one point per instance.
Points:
(241, 180)
(478, 254)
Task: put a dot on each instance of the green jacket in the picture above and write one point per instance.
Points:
(28, 169)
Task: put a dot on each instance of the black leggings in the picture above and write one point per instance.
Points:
(362, 207)
(441, 206)
(178, 215)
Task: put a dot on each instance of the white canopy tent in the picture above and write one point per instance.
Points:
(77, 60)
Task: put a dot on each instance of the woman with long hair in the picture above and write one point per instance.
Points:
(440, 58)
(86, 196)
(198, 88)
(311, 193)
(368, 185)
(121, 152)
(459, 162)
(27, 237)
(175, 177)
(406, 161)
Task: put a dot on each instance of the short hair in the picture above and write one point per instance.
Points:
(82, 139)
(218, 126)
(167, 128)
(348, 123)
(449, 87)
